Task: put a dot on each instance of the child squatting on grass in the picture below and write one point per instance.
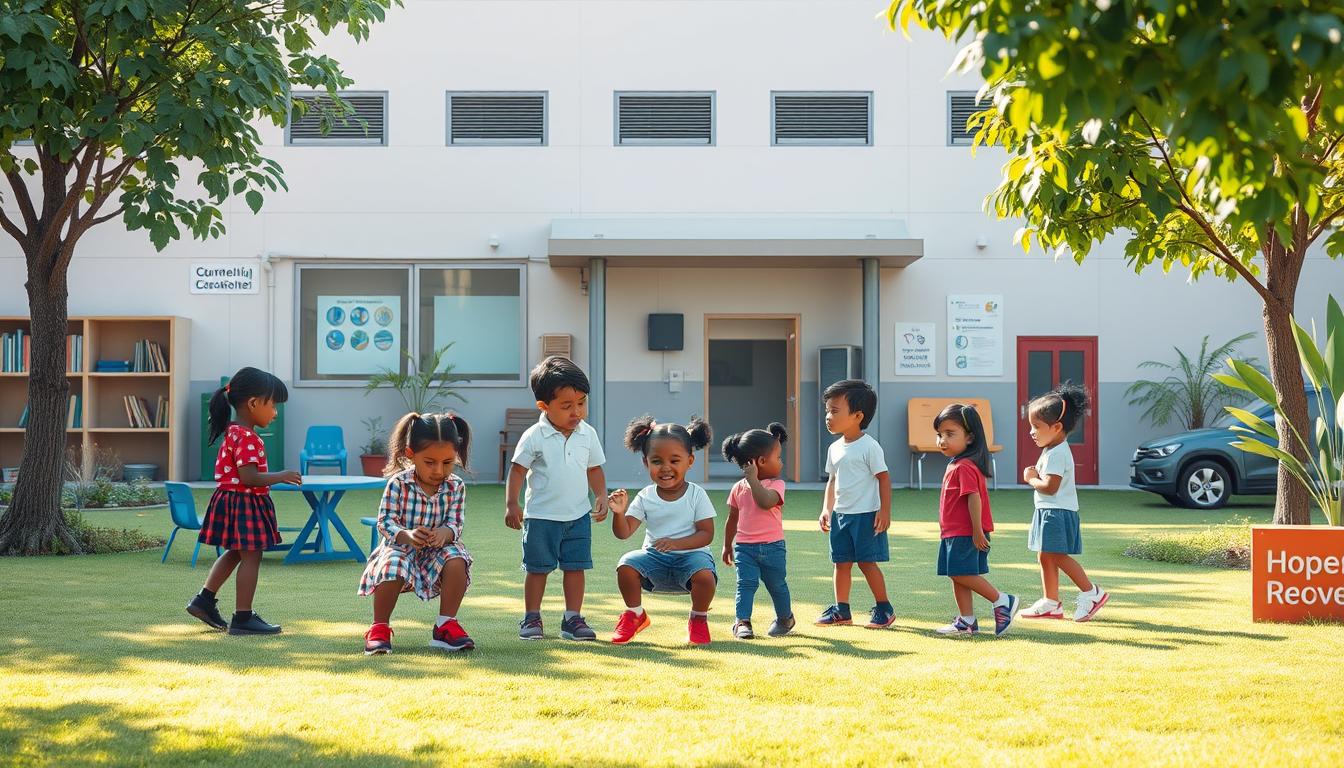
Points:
(241, 515)
(1056, 534)
(679, 527)
(965, 521)
(753, 537)
(421, 518)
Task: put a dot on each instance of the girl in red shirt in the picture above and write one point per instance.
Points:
(965, 521)
(241, 515)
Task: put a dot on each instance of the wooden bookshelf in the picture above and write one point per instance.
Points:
(104, 423)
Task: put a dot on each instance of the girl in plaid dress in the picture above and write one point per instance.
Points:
(241, 516)
(421, 519)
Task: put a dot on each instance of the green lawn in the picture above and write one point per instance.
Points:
(102, 664)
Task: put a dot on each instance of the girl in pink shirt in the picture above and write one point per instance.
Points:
(753, 539)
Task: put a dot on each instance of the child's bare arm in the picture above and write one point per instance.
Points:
(977, 526)
(1048, 484)
(513, 514)
(250, 476)
(827, 504)
(597, 482)
(703, 536)
(729, 534)
(621, 524)
(882, 520)
(765, 498)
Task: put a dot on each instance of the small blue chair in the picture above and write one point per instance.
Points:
(372, 522)
(324, 447)
(182, 506)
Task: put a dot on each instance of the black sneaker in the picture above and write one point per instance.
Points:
(207, 610)
(575, 628)
(781, 627)
(253, 624)
(530, 627)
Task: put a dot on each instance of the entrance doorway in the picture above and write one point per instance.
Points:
(1043, 363)
(752, 375)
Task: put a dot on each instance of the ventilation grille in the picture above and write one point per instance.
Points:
(823, 118)
(665, 118)
(367, 125)
(960, 106)
(497, 118)
(561, 344)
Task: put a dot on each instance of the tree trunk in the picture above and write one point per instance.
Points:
(34, 523)
(1292, 503)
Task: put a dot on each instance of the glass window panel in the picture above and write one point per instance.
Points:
(1071, 370)
(479, 311)
(1040, 373)
(352, 322)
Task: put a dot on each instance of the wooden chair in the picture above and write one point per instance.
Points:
(920, 413)
(516, 422)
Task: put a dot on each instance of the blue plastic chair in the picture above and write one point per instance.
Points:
(372, 522)
(324, 447)
(182, 506)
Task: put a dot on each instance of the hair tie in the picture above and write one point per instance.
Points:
(226, 388)
(1063, 406)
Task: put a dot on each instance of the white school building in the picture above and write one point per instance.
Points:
(698, 201)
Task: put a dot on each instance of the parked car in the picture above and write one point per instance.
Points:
(1201, 470)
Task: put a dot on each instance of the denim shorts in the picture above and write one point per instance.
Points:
(958, 556)
(669, 571)
(551, 543)
(853, 540)
(1055, 531)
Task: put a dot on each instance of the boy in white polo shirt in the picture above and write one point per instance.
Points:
(562, 459)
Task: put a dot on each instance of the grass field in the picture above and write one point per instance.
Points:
(102, 664)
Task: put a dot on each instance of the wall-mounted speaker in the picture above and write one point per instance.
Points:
(665, 332)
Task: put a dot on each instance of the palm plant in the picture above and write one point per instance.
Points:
(425, 385)
(1188, 394)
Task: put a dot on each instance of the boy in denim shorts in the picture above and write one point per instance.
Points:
(561, 458)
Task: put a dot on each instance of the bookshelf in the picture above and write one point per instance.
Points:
(103, 418)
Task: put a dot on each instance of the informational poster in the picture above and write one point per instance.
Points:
(975, 335)
(915, 355)
(485, 331)
(358, 334)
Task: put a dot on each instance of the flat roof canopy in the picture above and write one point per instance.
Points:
(687, 242)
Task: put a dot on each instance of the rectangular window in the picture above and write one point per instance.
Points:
(481, 313)
(664, 118)
(960, 106)
(821, 119)
(365, 125)
(496, 118)
(353, 321)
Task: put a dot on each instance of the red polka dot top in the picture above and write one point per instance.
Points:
(241, 446)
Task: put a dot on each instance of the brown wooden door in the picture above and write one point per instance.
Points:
(1043, 363)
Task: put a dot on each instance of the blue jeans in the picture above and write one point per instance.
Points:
(757, 564)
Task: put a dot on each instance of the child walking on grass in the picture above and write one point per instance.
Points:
(753, 537)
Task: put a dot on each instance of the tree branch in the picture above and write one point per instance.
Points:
(13, 229)
(22, 197)
(1324, 224)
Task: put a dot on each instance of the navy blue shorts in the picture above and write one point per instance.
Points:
(1055, 531)
(668, 571)
(853, 540)
(566, 544)
(957, 556)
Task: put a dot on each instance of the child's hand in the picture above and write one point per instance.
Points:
(439, 537)
(618, 501)
(291, 476)
(412, 537)
(663, 545)
(980, 540)
(599, 509)
(728, 556)
(752, 471)
(1029, 474)
(513, 516)
(881, 522)
(825, 521)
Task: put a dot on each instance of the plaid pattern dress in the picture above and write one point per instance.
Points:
(240, 517)
(406, 505)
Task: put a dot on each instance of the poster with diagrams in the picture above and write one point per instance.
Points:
(358, 334)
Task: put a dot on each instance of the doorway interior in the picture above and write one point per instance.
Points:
(752, 375)
(1043, 363)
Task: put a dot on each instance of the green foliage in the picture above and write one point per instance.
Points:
(94, 540)
(1323, 444)
(1227, 545)
(1188, 393)
(424, 386)
(376, 445)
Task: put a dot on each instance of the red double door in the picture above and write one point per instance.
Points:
(1043, 363)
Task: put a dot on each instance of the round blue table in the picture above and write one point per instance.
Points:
(323, 493)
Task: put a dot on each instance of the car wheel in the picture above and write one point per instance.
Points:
(1204, 485)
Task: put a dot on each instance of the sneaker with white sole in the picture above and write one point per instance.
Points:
(959, 627)
(1090, 602)
(1005, 614)
(1045, 608)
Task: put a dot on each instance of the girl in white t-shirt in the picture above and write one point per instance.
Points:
(679, 526)
(1056, 534)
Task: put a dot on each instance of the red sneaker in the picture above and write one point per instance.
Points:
(630, 625)
(450, 636)
(697, 630)
(378, 639)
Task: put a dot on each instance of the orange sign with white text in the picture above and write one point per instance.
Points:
(1297, 572)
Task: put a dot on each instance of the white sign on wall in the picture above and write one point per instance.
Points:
(975, 335)
(224, 278)
(915, 355)
(358, 334)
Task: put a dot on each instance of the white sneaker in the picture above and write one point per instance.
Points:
(1090, 602)
(1045, 608)
(959, 627)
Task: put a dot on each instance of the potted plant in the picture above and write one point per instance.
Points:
(1296, 572)
(373, 453)
(424, 386)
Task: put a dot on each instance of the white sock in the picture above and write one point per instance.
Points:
(443, 620)
(570, 614)
(1002, 601)
(699, 613)
(638, 610)
(968, 619)
(1096, 589)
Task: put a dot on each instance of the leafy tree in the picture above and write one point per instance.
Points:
(119, 98)
(1188, 393)
(1206, 134)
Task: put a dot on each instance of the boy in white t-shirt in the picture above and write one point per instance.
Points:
(857, 509)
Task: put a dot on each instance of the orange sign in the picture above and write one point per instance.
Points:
(1297, 572)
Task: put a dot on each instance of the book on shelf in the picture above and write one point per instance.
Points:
(149, 357)
(74, 417)
(17, 354)
(138, 415)
(74, 353)
(112, 366)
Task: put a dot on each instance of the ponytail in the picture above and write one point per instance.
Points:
(220, 414)
(746, 447)
(246, 384)
(644, 430)
(414, 432)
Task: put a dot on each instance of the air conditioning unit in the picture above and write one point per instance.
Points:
(834, 363)
(561, 344)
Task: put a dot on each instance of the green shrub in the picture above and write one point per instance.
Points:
(1227, 545)
(105, 541)
(6, 493)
